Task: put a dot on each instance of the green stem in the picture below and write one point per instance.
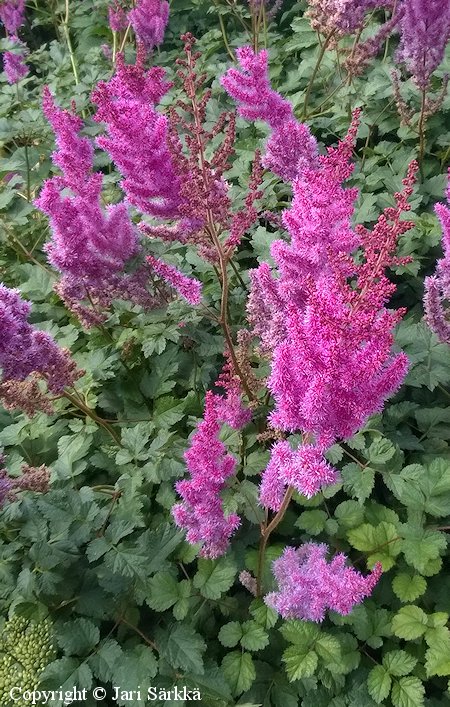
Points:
(114, 51)
(422, 128)
(224, 34)
(65, 26)
(27, 160)
(78, 403)
(266, 531)
(314, 73)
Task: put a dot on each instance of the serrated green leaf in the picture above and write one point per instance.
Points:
(239, 671)
(379, 684)
(106, 660)
(349, 514)
(381, 542)
(214, 577)
(254, 638)
(358, 483)
(137, 667)
(408, 692)
(328, 648)
(299, 664)
(301, 633)
(407, 587)
(182, 647)
(399, 663)
(230, 634)
(437, 657)
(263, 614)
(163, 591)
(410, 622)
(78, 637)
(312, 521)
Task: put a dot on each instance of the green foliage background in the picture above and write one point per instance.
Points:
(98, 555)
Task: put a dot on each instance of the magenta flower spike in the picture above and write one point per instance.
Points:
(201, 511)
(308, 585)
(25, 350)
(12, 15)
(437, 286)
(149, 20)
(424, 33)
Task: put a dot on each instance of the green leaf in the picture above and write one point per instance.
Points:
(358, 482)
(379, 684)
(137, 667)
(64, 673)
(134, 439)
(78, 637)
(105, 660)
(163, 591)
(408, 692)
(158, 544)
(312, 521)
(398, 663)
(254, 637)
(71, 449)
(437, 657)
(214, 577)
(381, 450)
(182, 647)
(420, 546)
(230, 634)
(239, 671)
(381, 542)
(299, 664)
(410, 622)
(409, 588)
(328, 648)
(301, 633)
(350, 514)
(263, 614)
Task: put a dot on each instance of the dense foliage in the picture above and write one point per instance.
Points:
(225, 418)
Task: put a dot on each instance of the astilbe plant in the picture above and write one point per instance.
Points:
(32, 479)
(92, 246)
(437, 286)
(322, 319)
(12, 15)
(28, 356)
(14, 61)
(424, 34)
(338, 19)
(149, 20)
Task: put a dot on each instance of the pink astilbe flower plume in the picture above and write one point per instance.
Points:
(149, 20)
(117, 17)
(201, 511)
(291, 147)
(319, 225)
(14, 61)
(323, 319)
(27, 352)
(309, 585)
(91, 246)
(12, 15)
(340, 17)
(424, 33)
(231, 409)
(437, 286)
(137, 136)
(305, 469)
(187, 287)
